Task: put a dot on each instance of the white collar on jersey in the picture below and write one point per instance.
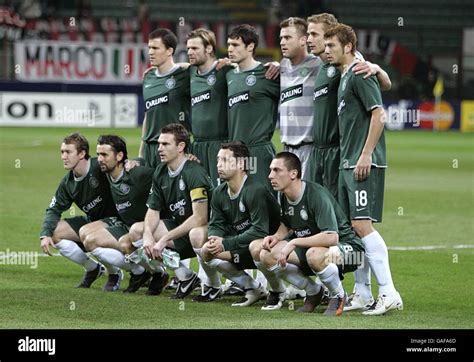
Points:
(300, 197)
(158, 74)
(354, 62)
(233, 197)
(78, 179)
(214, 65)
(238, 70)
(114, 180)
(178, 170)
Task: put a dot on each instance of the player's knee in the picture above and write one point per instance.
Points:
(83, 232)
(266, 258)
(362, 227)
(255, 248)
(205, 254)
(126, 246)
(317, 258)
(197, 237)
(136, 231)
(90, 242)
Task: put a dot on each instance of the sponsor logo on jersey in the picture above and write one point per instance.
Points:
(250, 80)
(177, 205)
(123, 206)
(93, 182)
(161, 99)
(331, 72)
(211, 80)
(125, 188)
(53, 202)
(304, 214)
(170, 83)
(341, 106)
(303, 233)
(291, 93)
(242, 225)
(241, 206)
(321, 92)
(239, 98)
(92, 204)
(200, 98)
(182, 185)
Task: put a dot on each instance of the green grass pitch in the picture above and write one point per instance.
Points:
(428, 202)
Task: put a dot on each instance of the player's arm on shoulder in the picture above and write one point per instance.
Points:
(367, 68)
(273, 70)
(183, 65)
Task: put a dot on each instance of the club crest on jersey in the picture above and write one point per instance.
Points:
(304, 214)
(250, 80)
(170, 83)
(241, 206)
(93, 182)
(304, 72)
(331, 72)
(182, 185)
(211, 80)
(125, 188)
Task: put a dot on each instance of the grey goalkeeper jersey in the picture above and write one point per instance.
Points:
(296, 100)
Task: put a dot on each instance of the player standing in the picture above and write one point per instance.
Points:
(298, 71)
(363, 162)
(165, 92)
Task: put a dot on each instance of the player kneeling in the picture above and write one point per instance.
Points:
(321, 241)
(243, 212)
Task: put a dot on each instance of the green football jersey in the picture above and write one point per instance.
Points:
(130, 193)
(325, 126)
(91, 193)
(166, 100)
(315, 211)
(252, 105)
(251, 214)
(209, 104)
(356, 98)
(173, 193)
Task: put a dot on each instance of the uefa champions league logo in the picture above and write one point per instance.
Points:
(250, 80)
(331, 71)
(211, 80)
(170, 83)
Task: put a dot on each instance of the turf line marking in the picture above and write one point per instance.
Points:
(397, 248)
(432, 247)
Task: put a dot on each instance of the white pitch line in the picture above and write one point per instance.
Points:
(397, 248)
(430, 247)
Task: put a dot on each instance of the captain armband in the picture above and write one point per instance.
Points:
(198, 194)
